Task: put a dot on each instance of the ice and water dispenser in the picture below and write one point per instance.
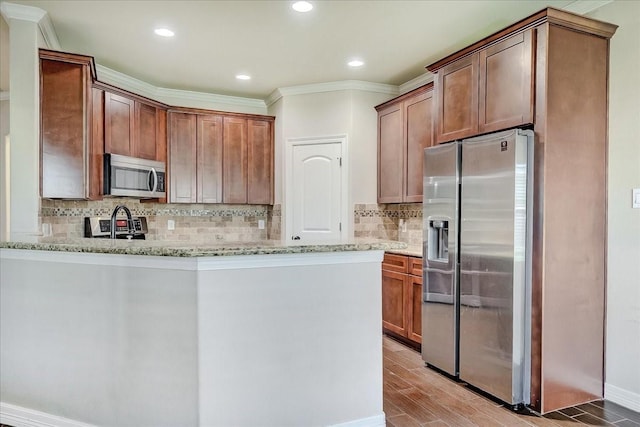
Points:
(438, 245)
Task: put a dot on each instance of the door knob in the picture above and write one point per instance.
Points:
(295, 237)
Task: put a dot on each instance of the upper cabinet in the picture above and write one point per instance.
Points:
(134, 128)
(68, 143)
(486, 90)
(220, 158)
(404, 131)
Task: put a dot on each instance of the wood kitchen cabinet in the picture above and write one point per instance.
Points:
(68, 143)
(260, 162)
(234, 167)
(488, 90)
(404, 131)
(402, 297)
(220, 158)
(134, 128)
(548, 72)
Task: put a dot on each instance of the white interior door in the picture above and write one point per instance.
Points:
(316, 184)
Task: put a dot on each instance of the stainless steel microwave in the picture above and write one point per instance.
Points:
(133, 177)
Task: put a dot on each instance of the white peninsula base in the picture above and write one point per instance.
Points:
(255, 340)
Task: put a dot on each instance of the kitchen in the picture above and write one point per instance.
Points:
(311, 114)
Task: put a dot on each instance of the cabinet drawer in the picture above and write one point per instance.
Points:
(399, 263)
(415, 266)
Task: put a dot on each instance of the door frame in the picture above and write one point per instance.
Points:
(288, 181)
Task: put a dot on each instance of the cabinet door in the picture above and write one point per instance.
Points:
(391, 154)
(146, 132)
(64, 138)
(234, 164)
(414, 307)
(506, 84)
(456, 87)
(260, 162)
(119, 115)
(209, 159)
(419, 131)
(394, 314)
(182, 158)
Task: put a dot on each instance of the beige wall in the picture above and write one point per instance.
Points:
(623, 268)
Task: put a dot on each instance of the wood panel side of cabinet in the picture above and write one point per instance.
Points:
(394, 309)
(64, 102)
(507, 83)
(96, 154)
(391, 154)
(161, 143)
(260, 162)
(419, 134)
(572, 221)
(414, 308)
(209, 169)
(119, 117)
(182, 158)
(234, 164)
(145, 144)
(456, 86)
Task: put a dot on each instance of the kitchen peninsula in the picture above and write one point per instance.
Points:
(151, 333)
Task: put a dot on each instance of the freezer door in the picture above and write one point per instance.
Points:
(493, 258)
(440, 256)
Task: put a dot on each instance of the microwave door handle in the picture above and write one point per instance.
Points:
(155, 180)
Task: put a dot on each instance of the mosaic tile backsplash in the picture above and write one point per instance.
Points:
(402, 222)
(226, 223)
(193, 222)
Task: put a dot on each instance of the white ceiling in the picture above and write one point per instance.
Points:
(215, 40)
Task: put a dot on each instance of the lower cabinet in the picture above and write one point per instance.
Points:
(402, 297)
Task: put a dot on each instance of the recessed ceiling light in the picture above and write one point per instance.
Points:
(355, 63)
(243, 77)
(302, 6)
(164, 32)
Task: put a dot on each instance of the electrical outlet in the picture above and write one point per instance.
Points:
(261, 224)
(171, 224)
(635, 203)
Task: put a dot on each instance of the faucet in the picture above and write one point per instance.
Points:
(130, 228)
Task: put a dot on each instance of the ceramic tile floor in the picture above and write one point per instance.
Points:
(418, 396)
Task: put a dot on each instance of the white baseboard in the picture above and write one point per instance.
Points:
(18, 416)
(375, 421)
(622, 397)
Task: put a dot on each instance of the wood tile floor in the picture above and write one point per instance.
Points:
(418, 396)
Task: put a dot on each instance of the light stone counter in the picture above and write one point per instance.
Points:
(187, 249)
(411, 250)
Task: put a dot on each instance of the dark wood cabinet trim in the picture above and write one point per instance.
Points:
(221, 113)
(405, 96)
(114, 89)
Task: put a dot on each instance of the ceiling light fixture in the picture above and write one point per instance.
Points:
(243, 77)
(355, 63)
(164, 32)
(302, 6)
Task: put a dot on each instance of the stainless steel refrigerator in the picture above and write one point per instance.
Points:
(476, 262)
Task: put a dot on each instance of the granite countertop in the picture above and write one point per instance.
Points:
(186, 249)
(410, 250)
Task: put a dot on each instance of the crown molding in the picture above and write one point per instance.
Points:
(4, 95)
(330, 87)
(412, 84)
(582, 7)
(33, 14)
(172, 96)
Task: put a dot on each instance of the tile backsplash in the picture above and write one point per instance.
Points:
(225, 223)
(193, 222)
(401, 222)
